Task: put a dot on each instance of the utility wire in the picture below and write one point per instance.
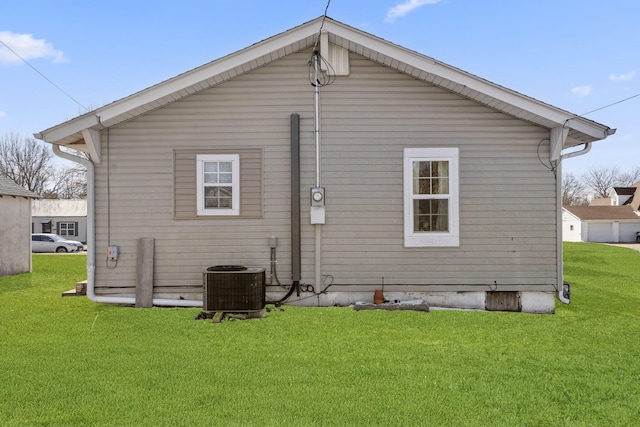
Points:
(315, 45)
(611, 105)
(43, 76)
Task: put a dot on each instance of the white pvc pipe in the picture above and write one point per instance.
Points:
(91, 243)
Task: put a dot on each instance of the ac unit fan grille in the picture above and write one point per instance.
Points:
(234, 291)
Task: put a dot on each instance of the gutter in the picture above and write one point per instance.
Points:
(91, 243)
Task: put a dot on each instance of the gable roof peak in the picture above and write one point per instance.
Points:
(304, 36)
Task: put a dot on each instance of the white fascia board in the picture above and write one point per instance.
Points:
(178, 83)
(472, 82)
(204, 72)
(66, 129)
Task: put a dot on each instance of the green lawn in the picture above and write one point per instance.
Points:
(69, 361)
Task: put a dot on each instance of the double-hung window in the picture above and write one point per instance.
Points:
(218, 180)
(67, 228)
(431, 197)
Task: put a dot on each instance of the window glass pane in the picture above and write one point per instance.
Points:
(430, 215)
(225, 166)
(211, 197)
(431, 177)
(440, 169)
(218, 197)
(211, 178)
(211, 167)
(440, 186)
(225, 178)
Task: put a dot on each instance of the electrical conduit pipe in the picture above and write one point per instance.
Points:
(91, 243)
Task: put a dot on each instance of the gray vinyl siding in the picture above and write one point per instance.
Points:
(507, 194)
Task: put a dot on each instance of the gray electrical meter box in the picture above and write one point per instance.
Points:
(317, 196)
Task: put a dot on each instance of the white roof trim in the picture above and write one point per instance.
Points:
(404, 60)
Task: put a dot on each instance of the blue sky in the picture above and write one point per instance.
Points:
(579, 55)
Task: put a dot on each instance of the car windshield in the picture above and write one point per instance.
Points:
(56, 238)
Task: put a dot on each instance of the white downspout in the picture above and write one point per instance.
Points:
(91, 243)
(560, 250)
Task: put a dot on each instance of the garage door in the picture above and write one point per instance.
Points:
(600, 233)
(628, 232)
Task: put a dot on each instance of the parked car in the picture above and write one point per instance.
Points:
(43, 242)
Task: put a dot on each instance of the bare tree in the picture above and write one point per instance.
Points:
(601, 180)
(29, 163)
(68, 183)
(26, 162)
(627, 179)
(573, 191)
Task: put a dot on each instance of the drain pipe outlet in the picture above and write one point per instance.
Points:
(91, 242)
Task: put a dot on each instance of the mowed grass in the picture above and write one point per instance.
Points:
(69, 361)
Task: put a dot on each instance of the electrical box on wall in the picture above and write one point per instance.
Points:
(317, 215)
(317, 205)
(113, 252)
(317, 196)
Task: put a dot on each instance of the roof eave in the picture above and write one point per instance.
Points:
(397, 57)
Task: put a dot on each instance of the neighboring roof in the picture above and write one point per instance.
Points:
(59, 208)
(624, 191)
(587, 213)
(601, 201)
(82, 132)
(566, 215)
(10, 188)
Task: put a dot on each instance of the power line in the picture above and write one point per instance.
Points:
(43, 76)
(315, 45)
(610, 105)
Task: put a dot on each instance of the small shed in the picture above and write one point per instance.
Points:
(571, 227)
(65, 217)
(15, 233)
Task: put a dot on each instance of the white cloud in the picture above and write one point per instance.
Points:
(581, 90)
(27, 47)
(623, 77)
(406, 7)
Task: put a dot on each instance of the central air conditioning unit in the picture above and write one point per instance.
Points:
(233, 288)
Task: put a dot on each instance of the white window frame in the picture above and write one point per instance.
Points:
(68, 226)
(432, 238)
(201, 159)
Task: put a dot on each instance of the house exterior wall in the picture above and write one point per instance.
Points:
(15, 235)
(81, 229)
(367, 119)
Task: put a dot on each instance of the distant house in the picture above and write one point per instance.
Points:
(15, 230)
(366, 164)
(626, 196)
(68, 218)
(606, 220)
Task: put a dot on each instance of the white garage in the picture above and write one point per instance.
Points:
(606, 224)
